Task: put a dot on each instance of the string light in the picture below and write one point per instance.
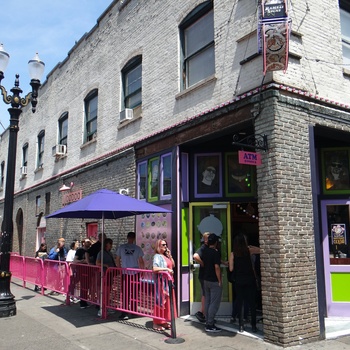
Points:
(247, 212)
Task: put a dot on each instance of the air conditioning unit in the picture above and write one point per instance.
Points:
(59, 150)
(24, 170)
(126, 114)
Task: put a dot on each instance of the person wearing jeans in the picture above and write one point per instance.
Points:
(212, 282)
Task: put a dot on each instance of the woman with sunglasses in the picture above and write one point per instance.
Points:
(162, 262)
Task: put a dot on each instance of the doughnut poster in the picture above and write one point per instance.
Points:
(150, 228)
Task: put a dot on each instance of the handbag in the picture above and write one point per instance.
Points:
(231, 276)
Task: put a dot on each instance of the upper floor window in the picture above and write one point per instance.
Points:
(91, 101)
(25, 155)
(41, 147)
(63, 129)
(2, 170)
(345, 29)
(132, 83)
(197, 43)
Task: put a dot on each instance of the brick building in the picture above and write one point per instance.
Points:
(159, 99)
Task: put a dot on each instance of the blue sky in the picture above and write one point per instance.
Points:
(47, 27)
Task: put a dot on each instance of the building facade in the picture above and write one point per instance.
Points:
(160, 100)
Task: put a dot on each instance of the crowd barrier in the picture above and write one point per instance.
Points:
(134, 291)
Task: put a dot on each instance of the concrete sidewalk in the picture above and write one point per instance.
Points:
(45, 321)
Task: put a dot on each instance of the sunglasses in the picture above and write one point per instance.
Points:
(164, 244)
(337, 165)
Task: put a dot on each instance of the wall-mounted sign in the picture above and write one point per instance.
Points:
(249, 158)
(71, 197)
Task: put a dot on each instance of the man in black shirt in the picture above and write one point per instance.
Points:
(212, 282)
(197, 256)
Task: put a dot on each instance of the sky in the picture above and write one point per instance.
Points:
(50, 28)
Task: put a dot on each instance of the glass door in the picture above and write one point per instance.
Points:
(336, 252)
(209, 217)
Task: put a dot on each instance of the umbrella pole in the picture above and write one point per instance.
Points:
(102, 251)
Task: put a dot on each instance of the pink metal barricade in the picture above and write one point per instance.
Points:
(134, 291)
(56, 276)
(33, 271)
(17, 267)
(85, 282)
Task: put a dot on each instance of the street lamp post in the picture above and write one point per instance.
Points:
(36, 70)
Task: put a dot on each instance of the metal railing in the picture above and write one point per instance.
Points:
(134, 291)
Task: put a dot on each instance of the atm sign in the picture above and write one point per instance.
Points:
(249, 158)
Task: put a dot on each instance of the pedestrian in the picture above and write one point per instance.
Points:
(58, 252)
(71, 253)
(212, 282)
(79, 256)
(129, 255)
(93, 251)
(242, 265)
(41, 253)
(197, 256)
(163, 261)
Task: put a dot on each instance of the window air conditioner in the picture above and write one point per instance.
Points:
(59, 150)
(24, 170)
(126, 114)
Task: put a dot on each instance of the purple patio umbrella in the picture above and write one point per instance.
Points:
(106, 204)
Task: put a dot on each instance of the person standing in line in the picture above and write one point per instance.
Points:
(163, 261)
(59, 252)
(212, 282)
(71, 253)
(41, 253)
(197, 257)
(245, 278)
(92, 252)
(79, 258)
(129, 255)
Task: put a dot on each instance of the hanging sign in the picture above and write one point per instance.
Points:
(249, 158)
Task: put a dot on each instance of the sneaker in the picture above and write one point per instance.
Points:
(99, 313)
(124, 316)
(200, 317)
(212, 329)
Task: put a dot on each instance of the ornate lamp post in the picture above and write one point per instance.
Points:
(36, 70)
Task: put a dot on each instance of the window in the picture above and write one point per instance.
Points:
(165, 164)
(154, 178)
(142, 180)
(345, 30)
(63, 129)
(132, 83)
(2, 174)
(37, 205)
(41, 144)
(25, 155)
(197, 42)
(47, 203)
(91, 115)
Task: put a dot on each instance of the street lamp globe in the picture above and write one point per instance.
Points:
(4, 58)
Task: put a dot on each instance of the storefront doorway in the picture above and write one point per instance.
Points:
(336, 253)
(210, 217)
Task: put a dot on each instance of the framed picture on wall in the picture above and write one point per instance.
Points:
(239, 178)
(335, 170)
(207, 175)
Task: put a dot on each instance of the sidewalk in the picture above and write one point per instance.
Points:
(48, 322)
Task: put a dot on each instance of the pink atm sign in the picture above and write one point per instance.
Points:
(249, 158)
